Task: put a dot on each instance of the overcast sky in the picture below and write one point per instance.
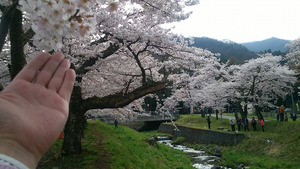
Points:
(243, 20)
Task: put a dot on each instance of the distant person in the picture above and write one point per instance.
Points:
(246, 124)
(232, 124)
(210, 110)
(206, 111)
(281, 113)
(116, 123)
(262, 123)
(239, 124)
(217, 114)
(253, 124)
(202, 113)
(294, 116)
(242, 124)
(277, 113)
(286, 118)
(208, 121)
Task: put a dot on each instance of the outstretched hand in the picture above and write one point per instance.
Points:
(34, 108)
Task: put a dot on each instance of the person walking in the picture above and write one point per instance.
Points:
(262, 123)
(208, 121)
(232, 125)
(294, 116)
(286, 118)
(277, 113)
(239, 124)
(281, 113)
(242, 123)
(246, 124)
(116, 123)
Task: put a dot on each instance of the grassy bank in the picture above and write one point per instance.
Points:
(107, 147)
(277, 147)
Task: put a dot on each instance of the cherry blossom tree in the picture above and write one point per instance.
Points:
(196, 87)
(116, 48)
(293, 55)
(260, 82)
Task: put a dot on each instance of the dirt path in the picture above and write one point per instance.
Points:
(104, 157)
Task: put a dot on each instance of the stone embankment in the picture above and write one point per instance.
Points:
(202, 136)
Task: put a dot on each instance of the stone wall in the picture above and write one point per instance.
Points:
(202, 136)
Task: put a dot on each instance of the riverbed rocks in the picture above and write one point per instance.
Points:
(152, 142)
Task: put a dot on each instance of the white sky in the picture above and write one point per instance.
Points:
(243, 20)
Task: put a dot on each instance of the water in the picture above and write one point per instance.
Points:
(200, 159)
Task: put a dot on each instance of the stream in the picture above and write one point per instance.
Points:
(200, 159)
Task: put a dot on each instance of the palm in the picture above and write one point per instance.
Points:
(34, 107)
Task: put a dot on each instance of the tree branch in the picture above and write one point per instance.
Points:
(17, 44)
(91, 61)
(136, 57)
(119, 100)
(28, 35)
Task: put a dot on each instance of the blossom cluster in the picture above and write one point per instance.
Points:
(53, 20)
(293, 56)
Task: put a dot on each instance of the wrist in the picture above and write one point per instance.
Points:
(18, 152)
(7, 162)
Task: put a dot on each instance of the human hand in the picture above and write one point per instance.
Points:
(34, 108)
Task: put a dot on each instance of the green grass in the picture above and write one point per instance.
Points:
(122, 148)
(266, 115)
(196, 121)
(129, 150)
(85, 160)
(282, 150)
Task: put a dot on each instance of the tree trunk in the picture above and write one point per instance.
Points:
(16, 38)
(243, 110)
(258, 112)
(6, 19)
(75, 125)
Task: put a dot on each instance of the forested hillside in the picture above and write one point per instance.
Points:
(273, 44)
(234, 52)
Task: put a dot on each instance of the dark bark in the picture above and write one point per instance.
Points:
(6, 20)
(136, 57)
(258, 112)
(243, 110)
(90, 62)
(75, 125)
(16, 38)
(245, 114)
(119, 99)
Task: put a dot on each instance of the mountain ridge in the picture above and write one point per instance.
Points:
(273, 44)
(229, 50)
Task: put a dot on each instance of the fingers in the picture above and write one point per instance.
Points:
(67, 85)
(29, 72)
(58, 77)
(49, 69)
